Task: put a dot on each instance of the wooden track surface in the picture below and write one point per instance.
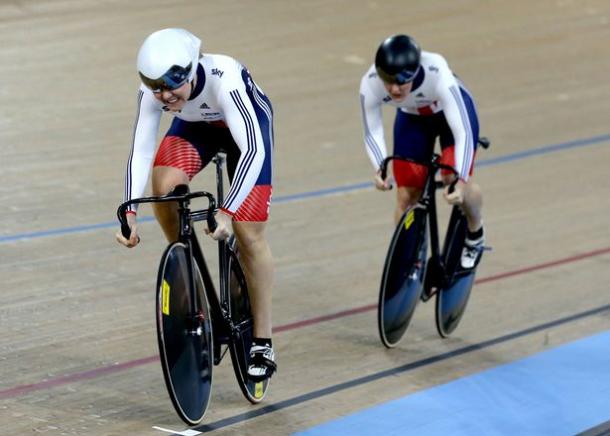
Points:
(78, 346)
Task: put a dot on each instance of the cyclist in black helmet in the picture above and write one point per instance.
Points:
(398, 59)
(431, 103)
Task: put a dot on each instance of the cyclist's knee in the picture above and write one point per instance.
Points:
(165, 179)
(407, 196)
(474, 188)
(249, 234)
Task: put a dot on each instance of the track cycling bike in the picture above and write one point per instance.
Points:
(195, 324)
(409, 276)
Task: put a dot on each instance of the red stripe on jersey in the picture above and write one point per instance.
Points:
(218, 123)
(425, 110)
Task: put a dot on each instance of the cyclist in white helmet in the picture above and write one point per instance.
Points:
(216, 106)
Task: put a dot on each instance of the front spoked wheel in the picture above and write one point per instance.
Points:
(452, 299)
(402, 279)
(241, 316)
(185, 338)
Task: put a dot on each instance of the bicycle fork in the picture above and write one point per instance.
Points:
(436, 274)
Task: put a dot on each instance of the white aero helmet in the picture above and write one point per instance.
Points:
(168, 59)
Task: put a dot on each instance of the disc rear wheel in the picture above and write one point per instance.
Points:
(452, 299)
(241, 316)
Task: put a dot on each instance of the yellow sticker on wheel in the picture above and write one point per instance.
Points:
(258, 390)
(410, 218)
(165, 297)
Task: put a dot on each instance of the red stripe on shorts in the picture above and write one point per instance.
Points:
(256, 205)
(178, 153)
(448, 158)
(409, 174)
(414, 176)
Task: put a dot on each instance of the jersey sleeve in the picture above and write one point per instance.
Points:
(143, 144)
(242, 121)
(372, 121)
(457, 118)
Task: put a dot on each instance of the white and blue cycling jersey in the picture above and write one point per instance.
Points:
(225, 95)
(436, 93)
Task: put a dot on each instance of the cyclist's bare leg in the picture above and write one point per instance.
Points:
(405, 197)
(473, 203)
(164, 180)
(257, 262)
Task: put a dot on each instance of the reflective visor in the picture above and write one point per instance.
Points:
(174, 78)
(400, 78)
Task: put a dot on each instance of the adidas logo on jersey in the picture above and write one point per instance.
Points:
(204, 106)
(420, 94)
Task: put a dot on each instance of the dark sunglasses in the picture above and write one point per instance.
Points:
(174, 78)
(400, 78)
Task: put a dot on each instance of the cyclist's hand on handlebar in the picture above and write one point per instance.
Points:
(134, 239)
(457, 196)
(382, 185)
(223, 226)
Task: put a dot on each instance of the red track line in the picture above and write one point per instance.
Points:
(544, 265)
(97, 372)
(69, 378)
(306, 322)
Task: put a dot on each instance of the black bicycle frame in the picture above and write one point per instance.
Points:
(428, 200)
(221, 321)
(222, 252)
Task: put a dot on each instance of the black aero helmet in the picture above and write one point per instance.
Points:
(397, 59)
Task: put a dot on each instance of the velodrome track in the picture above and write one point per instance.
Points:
(78, 350)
